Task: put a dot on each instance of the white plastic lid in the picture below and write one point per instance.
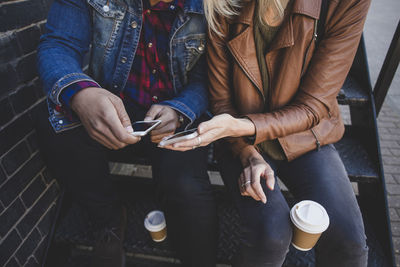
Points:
(155, 221)
(310, 217)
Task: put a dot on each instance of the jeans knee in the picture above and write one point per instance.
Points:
(354, 245)
(270, 239)
(184, 188)
(345, 245)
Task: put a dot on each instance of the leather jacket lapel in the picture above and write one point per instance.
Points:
(243, 47)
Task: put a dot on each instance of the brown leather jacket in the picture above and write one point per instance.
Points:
(302, 110)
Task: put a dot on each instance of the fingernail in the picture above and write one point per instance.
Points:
(129, 129)
(147, 119)
(271, 185)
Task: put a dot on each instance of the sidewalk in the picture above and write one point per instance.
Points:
(389, 133)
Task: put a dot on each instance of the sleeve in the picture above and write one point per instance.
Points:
(63, 47)
(69, 91)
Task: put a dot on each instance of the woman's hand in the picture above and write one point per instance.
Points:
(218, 127)
(255, 168)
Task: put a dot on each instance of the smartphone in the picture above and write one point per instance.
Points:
(185, 135)
(141, 128)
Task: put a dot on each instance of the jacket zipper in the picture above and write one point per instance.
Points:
(316, 139)
(314, 39)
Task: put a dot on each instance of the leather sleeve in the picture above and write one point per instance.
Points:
(219, 72)
(326, 73)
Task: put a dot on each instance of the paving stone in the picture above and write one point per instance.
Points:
(390, 144)
(389, 179)
(394, 201)
(394, 169)
(394, 151)
(396, 177)
(385, 151)
(385, 136)
(396, 244)
(386, 124)
(391, 160)
(388, 118)
(394, 215)
(393, 189)
(395, 228)
(392, 130)
(382, 130)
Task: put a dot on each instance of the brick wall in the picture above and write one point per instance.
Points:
(27, 192)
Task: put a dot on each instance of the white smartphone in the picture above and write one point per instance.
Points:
(141, 128)
(185, 135)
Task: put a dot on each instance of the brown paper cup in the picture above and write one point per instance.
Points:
(309, 221)
(156, 225)
(304, 241)
(159, 236)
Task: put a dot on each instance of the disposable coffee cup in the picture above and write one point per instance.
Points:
(156, 225)
(310, 220)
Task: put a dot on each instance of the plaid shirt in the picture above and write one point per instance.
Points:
(149, 79)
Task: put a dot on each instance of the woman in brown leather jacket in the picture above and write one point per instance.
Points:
(275, 90)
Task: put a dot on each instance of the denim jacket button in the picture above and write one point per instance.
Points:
(115, 86)
(124, 59)
(134, 25)
(201, 47)
(60, 122)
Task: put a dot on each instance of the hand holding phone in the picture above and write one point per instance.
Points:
(185, 135)
(141, 128)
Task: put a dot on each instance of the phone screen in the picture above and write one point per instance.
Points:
(182, 134)
(142, 126)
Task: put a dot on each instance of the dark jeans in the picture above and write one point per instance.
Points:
(181, 181)
(317, 175)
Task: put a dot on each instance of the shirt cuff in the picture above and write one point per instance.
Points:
(69, 91)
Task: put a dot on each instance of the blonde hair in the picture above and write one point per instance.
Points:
(230, 8)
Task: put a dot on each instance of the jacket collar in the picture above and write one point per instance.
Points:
(243, 47)
(309, 8)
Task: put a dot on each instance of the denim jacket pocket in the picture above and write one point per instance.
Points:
(195, 48)
(107, 20)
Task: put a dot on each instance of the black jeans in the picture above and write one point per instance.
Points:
(181, 181)
(317, 175)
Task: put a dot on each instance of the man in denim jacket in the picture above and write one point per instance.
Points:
(146, 62)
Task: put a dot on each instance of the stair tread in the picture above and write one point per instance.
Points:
(352, 148)
(352, 93)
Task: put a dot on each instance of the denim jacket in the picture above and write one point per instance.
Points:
(113, 33)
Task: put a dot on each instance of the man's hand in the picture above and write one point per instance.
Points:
(169, 122)
(104, 117)
(255, 168)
